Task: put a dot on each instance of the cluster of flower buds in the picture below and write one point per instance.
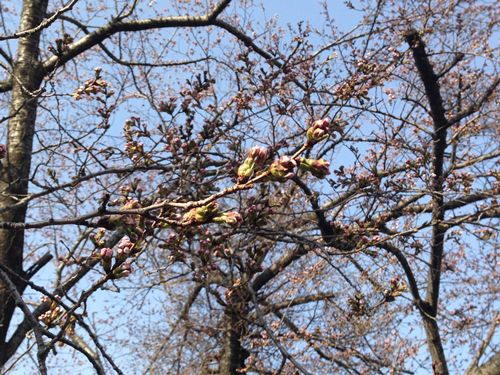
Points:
(93, 86)
(282, 169)
(201, 215)
(210, 213)
(122, 266)
(168, 106)
(124, 248)
(395, 289)
(318, 131)
(318, 168)
(98, 237)
(135, 151)
(358, 304)
(123, 270)
(256, 157)
(131, 222)
(3, 151)
(231, 218)
(54, 313)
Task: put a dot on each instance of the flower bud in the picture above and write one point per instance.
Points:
(318, 130)
(106, 258)
(231, 218)
(258, 154)
(201, 215)
(396, 288)
(282, 169)
(123, 270)
(246, 169)
(318, 168)
(124, 248)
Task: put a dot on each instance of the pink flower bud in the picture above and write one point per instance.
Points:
(282, 169)
(124, 248)
(123, 270)
(258, 154)
(231, 218)
(318, 130)
(106, 258)
(106, 253)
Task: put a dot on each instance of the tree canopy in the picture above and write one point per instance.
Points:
(201, 187)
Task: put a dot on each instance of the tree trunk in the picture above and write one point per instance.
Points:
(439, 364)
(233, 353)
(14, 175)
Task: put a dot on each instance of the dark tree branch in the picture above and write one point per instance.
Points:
(20, 333)
(458, 57)
(117, 25)
(33, 322)
(131, 63)
(477, 105)
(6, 56)
(46, 22)
(38, 265)
(433, 94)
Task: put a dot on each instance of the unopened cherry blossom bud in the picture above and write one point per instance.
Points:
(258, 154)
(318, 130)
(106, 258)
(106, 253)
(282, 169)
(124, 248)
(201, 215)
(231, 218)
(246, 169)
(123, 270)
(318, 168)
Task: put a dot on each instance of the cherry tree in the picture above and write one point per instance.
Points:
(199, 189)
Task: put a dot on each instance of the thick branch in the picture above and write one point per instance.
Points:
(491, 367)
(118, 25)
(433, 94)
(46, 22)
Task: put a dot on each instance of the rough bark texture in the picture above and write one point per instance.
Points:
(491, 367)
(233, 354)
(14, 176)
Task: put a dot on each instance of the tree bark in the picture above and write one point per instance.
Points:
(433, 94)
(233, 353)
(27, 76)
(490, 367)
